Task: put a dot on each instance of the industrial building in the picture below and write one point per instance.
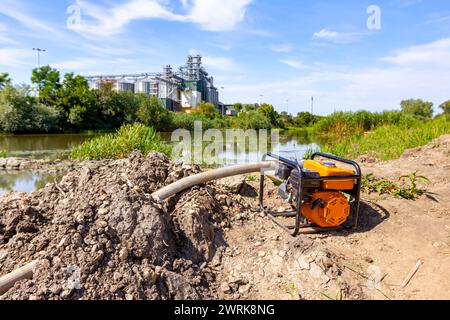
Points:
(181, 90)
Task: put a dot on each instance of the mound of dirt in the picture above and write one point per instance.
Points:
(99, 235)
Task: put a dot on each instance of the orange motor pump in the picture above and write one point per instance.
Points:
(322, 194)
(327, 209)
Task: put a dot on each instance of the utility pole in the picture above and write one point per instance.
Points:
(312, 105)
(223, 101)
(287, 105)
(39, 50)
(261, 97)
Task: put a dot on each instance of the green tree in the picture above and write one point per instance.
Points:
(77, 104)
(4, 80)
(286, 119)
(305, 119)
(152, 112)
(445, 107)
(252, 120)
(208, 110)
(270, 113)
(116, 108)
(48, 81)
(418, 107)
(238, 107)
(249, 107)
(22, 113)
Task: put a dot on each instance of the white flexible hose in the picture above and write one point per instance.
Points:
(211, 175)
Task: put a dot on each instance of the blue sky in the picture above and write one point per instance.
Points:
(286, 51)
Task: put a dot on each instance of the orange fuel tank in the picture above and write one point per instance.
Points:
(327, 209)
(330, 170)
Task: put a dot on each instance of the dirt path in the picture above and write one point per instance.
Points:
(262, 262)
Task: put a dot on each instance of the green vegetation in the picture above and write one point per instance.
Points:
(208, 110)
(389, 142)
(20, 112)
(418, 108)
(445, 107)
(3, 153)
(410, 191)
(4, 80)
(121, 144)
(67, 104)
(251, 120)
(341, 125)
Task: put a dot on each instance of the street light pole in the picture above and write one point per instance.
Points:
(39, 50)
(223, 101)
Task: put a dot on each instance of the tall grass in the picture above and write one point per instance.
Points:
(3, 153)
(121, 144)
(389, 142)
(341, 125)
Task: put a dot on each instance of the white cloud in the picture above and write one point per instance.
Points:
(83, 64)
(15, 57)
(4, 38)
(296, 64)
(218, 15)
(413, 73)
(220, 63)
(281, 47)
(337, 37)
(435, 53)
(12, 10)
(435, 20)
(210, 15)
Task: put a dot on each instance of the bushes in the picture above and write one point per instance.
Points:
(305, 119)
(20, 113)
(389, 142)
(187, 121)
(417, 107)
(445, 106)
(208, 110)
(121, 144)
(341, 125)
(152, 112)
(251, 120)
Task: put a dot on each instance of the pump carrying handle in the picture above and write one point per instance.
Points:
(339, 159)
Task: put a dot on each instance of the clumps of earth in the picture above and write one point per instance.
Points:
(98, 234)
(101, 224)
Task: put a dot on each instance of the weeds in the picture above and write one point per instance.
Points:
(3, 153)
(338, 297)
(389, 142)
(309, 153)
(292, 290)
(372, 184)
(121, 144)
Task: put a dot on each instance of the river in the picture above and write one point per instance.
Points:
(293, 144)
